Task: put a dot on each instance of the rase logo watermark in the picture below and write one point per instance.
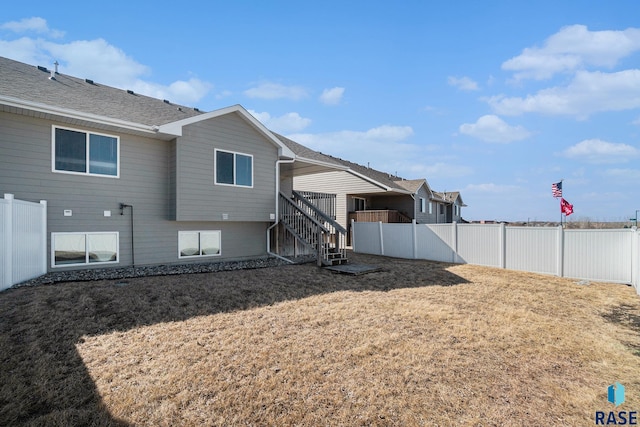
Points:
(615, 395)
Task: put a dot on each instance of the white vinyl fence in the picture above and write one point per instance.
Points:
(597, 255)
(23, 240)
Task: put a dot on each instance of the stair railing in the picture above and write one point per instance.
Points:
(334, 239)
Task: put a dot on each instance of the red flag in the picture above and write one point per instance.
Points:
(565, 207)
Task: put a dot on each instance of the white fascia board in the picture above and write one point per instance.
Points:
(379, 184)
(175, 128)
(74, 114)
(321, 163)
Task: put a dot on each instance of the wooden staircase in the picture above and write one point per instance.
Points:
(308, 226)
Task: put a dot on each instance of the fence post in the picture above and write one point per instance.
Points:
(43, 242)
(415, 238)
(454, 230)
(560, 251)
(635, 258)
(503, 245)
(8, 243)
(353, 235)
(381, 238)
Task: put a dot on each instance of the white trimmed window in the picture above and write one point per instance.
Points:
(198, 243)
(85, 153)
(422, 205)
(430, 208)
(72, 249)
(233, 168)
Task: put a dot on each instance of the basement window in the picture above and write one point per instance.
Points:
(74, 249)
(233, 169)
(85, 153)
(198, 243)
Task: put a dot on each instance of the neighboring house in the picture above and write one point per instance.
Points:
(366, 194)
(133, 180)
(453, 206)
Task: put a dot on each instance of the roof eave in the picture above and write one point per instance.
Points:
(378, 183)
(77, 115)
(321, 163)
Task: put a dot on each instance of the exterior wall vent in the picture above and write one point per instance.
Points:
(196, 109)
(41, 68)
(130, 92)
(166, 101)
(89, 81)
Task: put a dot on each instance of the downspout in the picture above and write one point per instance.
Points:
(275, 224)
(415, 209)
(133, 254)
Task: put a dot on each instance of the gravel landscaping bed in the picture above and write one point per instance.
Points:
(115, 273)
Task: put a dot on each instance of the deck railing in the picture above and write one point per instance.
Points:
(385, 216)
(323, 201)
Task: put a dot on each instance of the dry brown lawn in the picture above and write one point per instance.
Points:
(418, 343)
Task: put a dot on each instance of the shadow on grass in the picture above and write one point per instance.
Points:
(43, 378)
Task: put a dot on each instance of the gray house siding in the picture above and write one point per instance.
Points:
(401, 203)
(340, 183)
(145, 182)
(198, 197)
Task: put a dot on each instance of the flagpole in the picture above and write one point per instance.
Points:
(560, 205)
(560, 200)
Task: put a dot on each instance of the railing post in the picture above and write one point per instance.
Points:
(320, 249)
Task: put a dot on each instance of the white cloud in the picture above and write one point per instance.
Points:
(463, 83)
(492, 128)
(572, 48)
(441, 170)
(97, 60)
(383, 148)
(491, 188)
(34, 25)
(598, 151)
(289, 122)
(588, 93)
(269, 90)
(332, 96)
(624, 174)
(100, 61)
(181, 92)
(224, 94)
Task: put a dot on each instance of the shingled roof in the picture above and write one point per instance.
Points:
(304, 152)
(33, 84)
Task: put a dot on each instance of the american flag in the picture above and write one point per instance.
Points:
(556, 189)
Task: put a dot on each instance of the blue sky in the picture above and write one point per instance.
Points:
(495, 99)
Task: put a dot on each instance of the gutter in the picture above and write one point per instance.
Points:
(277, 210)
(73, 114)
